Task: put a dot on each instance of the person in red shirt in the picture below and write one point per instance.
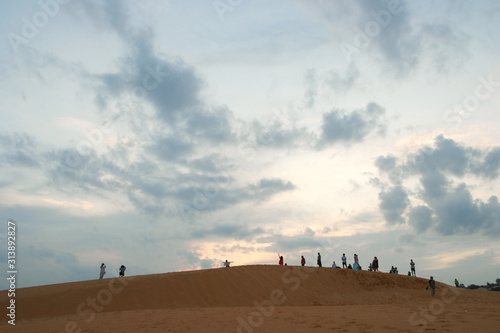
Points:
(281, 259)
(303, 261)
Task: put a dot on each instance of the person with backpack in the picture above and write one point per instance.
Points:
(122, 270)
(432, 285)
(303, 261)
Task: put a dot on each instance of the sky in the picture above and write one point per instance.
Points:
(173, 135)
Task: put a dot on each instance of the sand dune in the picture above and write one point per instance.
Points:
(260, 298)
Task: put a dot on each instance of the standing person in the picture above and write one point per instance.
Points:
(356, 259)
(319, 260)
(456, 283)
(344, 261)
(412, 266)
(122, 270)
(281, 259)
(103, 271)
(375, 264)
(432, 285)
(303, 261)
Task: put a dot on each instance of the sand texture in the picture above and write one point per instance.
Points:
(260, 298)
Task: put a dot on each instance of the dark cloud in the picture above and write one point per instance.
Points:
(171, 148)
(386, 163)
(214, 126)
(267, 187)
(449, 207)
(448, 156)
(215, 195)
(420, 218)
(209, 164)
(458, 213)
(396, 41)
(340, 126)
(405, 44)
(489, 167)
(19, 150)
(393, 203)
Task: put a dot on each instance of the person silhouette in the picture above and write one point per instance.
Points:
(122, 270)
(103, 271)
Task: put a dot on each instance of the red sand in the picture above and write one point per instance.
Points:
(254, 299)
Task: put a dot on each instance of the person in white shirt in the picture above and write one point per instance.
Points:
(334, 265)
(344, 261)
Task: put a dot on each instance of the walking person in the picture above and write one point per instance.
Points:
(122, 270)
(103, 271)
(319, 260)
(412, 267)
(303, 261)
(432, 285)
(344, 261)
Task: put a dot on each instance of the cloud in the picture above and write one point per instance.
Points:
(19, 150)
(448, 206)
(171, 148)
(214, 126)
(342, 83)
(342, 127)
(420, 218)
(278, 134)
(311, 83)
(196, 261)
(393, 203)
(298, 242)
(447, 43)
(268, 187)
(386, 163)
(489, 167)
(232, 231)
(448, 156)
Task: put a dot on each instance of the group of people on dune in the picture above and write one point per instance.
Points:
(372, 267)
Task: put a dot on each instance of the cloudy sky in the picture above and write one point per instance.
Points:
(172, 135)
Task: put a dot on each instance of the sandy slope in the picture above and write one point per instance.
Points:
(253, 299)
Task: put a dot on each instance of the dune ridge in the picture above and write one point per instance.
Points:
(225, 287)
(221, 297)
